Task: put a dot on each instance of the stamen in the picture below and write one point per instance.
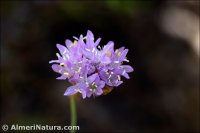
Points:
(93, 50)
(108, 53)
(73, 44)
(87, 49)
(126, 60)
(119, 53)
(75, 37)
(95, 86)
(58, 55)
(79, 69)
(119, 78)
(62, 64)
(65, 51)
(66, 73)
(116, 61)
(93, 83)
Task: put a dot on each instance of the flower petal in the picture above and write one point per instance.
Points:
(89, 93)
(98, 91)
(118, 83)
(126, 75)
(92, 78)
(61, 48)
(90, 39)
(101, 84)
(128, 68)
(70, 91)
(68, 43)
(108, 48)
(97, 42)
(90, 34)
(62, 77)
(57, 68)
(103, 75)
(123, 55)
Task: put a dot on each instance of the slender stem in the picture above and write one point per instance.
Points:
(73, 112)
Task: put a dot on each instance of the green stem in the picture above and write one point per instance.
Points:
(73, 112)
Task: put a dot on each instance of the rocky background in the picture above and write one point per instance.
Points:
(163, 40)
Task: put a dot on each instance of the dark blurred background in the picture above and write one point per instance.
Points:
(163, 41)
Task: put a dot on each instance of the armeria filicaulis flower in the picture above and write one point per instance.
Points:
(88, 67)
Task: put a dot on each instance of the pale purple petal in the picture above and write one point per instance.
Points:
(83, 88)
(70, 91)
(106, 59)
(103, 75)
(126, 75)
(121, 49)
(62, 77)
(90, 34)
(118, 83)
(97, 42)
(98, 91)
(57, 68)
(90, 39)
(74, 79)
(127, 68)
(92, 78)
(101, 84)
(108, 48)
(89, 93)
(123, 55)
(62, 48)
(68, 43)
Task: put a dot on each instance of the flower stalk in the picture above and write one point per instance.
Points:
(73, 112)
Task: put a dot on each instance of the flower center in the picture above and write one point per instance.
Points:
(93, 87)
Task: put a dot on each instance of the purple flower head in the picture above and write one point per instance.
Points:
(88, 67)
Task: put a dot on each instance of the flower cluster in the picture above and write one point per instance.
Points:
(90, 68)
